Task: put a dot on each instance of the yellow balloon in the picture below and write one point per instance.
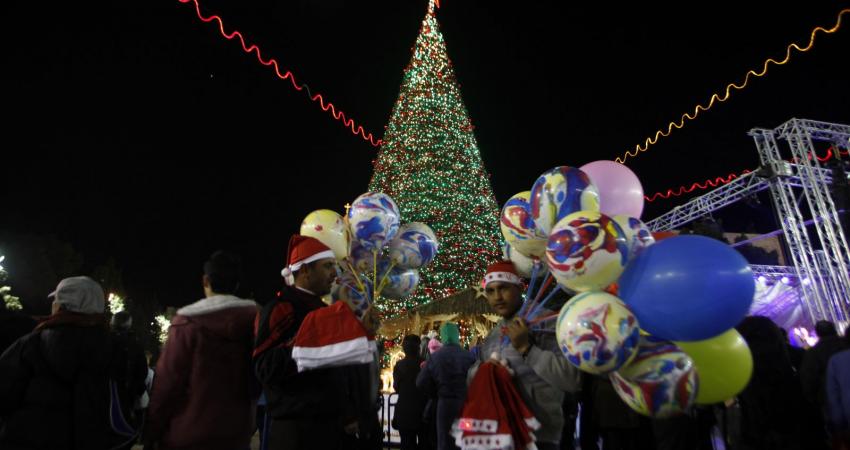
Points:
(724, 365)
(329, 228)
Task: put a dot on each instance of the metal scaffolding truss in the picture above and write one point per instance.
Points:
(837, 134)
(821, 260)
(774, 271)
(701, 206)
(725, 195)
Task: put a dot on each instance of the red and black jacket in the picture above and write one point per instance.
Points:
(316, 394)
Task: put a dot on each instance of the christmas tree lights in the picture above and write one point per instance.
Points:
(431, 166)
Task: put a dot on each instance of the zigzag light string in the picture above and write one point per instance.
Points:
(326, 106)
(719, 181)
(716, 98)
(682, 190)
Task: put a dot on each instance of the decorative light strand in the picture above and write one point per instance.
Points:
(338, 115)
(714, 97)
(719, 181)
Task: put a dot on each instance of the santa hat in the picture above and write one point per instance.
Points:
(494, 416)
(303, 250)
(331, 337)
(503, 271)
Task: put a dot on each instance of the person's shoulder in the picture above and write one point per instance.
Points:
(405, 363)
(21, 343)
(842, 357)
(180, 321)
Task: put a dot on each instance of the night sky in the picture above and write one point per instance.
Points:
(136, 132)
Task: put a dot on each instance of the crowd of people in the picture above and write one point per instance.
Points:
(78, 380)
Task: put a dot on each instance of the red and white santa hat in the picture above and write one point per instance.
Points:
(494, 415)
(332, 337)
(303, 250)
(503, 271)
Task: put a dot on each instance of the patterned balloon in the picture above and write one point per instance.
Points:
(329, 228)
(587, 251)
(661, 381)
(399, 282)
(374, 220)
(518, 226)
(414, 246)
(559, 192)
(362, 258)
(523, 264)
(637, 233)
(346, 288)
(597, 332)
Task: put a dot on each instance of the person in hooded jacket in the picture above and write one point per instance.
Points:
(205, 393)
(444, 377)
(55, 381)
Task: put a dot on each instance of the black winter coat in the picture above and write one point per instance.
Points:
(411, 401)
(54, 390)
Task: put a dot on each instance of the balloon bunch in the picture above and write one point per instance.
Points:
(656, 318)
(378, 256)
(556, 232)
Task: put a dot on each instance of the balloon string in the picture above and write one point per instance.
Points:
(543, 288)
(375, 272)
(356, 277)
(534, 268)
(545, 318)
(534, 312)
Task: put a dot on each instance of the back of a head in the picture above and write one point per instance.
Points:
(771, 363)
(121, 321)
(825, 328)
(450, 334)
(80, 295)
(410, 345)
(759, 329)
(224, 271)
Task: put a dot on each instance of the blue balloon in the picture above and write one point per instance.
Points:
(688, 288)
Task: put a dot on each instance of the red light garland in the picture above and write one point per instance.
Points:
(338, 115)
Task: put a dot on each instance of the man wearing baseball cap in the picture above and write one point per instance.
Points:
(54, 382)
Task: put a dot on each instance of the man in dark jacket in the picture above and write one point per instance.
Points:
(128, 349)
(54, 382)
(815, 361)
(771, 403)
(311, 409)
(205, 394)
(838, 396)
(444, 377)
(407, 418)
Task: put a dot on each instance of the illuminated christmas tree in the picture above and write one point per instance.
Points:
(430, 165)
(12, 302)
